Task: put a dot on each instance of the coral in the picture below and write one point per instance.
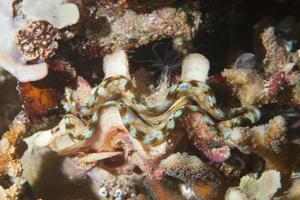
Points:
(38, 40)
(10, 154)
(255, 87)
(259, 139)
(11, 193)
(251, 87)
(196, 67)
(140, 29)
(250, 187)
(275, 56)
(204, 138)
(65, 68)
(248, 85)
(57, 12)
(88, 48)
(10, 58)
(204, 181)
(140, 126)
(183, 166)
(265, 140)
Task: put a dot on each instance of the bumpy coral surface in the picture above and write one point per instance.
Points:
(140, 29)
(38, 40)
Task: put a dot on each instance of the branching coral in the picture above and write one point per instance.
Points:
(9, 158)
(203, 137)
(267, 137)
(262, 188)
(276, 84)
(265, 140)
(196, 67)
(276, 56)
(202, 129)
(279, 77)
(10, 59)
(249, 85)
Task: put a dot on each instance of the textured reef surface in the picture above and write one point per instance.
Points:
(141, 100)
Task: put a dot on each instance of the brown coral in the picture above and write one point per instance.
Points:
(254, 88)
(125, 29)
(203, 180)
(183, 166)
(9, 157)
(278, 78)
(38, 40)
(275, 54)
(265, 140)
(262, 138)
(248, 85)
(203, 137)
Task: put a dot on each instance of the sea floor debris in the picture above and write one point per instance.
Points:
(141, 100)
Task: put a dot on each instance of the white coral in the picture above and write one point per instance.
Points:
(252, 188)
(57, 12)
(10, 59)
